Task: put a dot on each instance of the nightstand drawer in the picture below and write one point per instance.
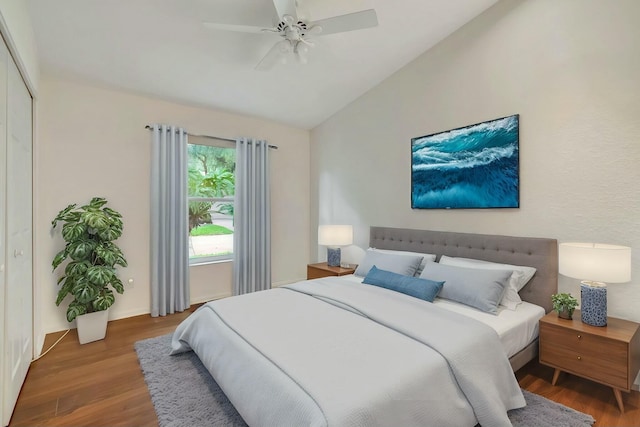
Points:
(595, 357)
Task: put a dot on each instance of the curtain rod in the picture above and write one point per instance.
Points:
(275, 147)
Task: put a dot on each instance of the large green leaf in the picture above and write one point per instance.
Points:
(84, 291)
(105, 253)
(75, 309)
(99, 275)
(66, 288)
(73, 231)
(112, 213)
(97, 202)
(77, 268)
(60, 257)
(97, 220)
(62, 215)
(115, 250)
(117, 284)
(81, 250)
(104, 300)
(120, 257)
(121, 261)
(110, 233)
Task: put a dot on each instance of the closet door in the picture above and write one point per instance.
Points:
(19, 239)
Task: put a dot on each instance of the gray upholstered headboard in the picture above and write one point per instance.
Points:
(535, 252)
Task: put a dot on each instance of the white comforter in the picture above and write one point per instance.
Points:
(331, 353)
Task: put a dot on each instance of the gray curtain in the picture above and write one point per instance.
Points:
(252, 218)
(169, 221)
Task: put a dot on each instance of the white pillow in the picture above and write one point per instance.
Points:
(401, 264)
(426, 257)
(519, 278)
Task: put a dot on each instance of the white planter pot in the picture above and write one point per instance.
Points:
(92, 326)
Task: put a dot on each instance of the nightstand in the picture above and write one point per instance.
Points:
(609, 355)
(316, 271)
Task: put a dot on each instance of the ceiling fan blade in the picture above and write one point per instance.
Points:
(302, 9)
(236, 28)
(277, 53)
(349, 22)
(286, 7)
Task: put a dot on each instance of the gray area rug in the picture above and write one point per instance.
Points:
(185, 395)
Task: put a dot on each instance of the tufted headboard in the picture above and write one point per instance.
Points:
(535, 252)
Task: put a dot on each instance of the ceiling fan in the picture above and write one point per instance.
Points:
(296, 32)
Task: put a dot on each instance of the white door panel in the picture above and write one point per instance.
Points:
(18, 308)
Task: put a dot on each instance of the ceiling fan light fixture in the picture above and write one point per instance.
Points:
(285, 47)
(301, 50)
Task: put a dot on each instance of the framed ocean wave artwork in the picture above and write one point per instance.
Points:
(472, 167)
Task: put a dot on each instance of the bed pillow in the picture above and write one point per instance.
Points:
(519, 278)
(401, 264)
(409, 285)
(426, 257)
(482, 289)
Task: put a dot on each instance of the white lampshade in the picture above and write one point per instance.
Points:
(595, 261)
(335, 235)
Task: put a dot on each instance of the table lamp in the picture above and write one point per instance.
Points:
(597, 263)
(334, 236)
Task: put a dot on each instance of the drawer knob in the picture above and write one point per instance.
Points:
(579, 358)
(579, 336)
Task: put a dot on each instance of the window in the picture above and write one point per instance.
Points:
(211, 192)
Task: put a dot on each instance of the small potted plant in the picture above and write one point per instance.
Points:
(564, 304)
(90, 275)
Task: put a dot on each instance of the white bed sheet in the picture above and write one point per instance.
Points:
(516, 328)
(326, 368)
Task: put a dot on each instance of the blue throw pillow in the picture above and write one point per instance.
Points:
(413, 286)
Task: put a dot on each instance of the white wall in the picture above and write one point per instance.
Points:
(92, 142)
(15, 20)
(570, 69)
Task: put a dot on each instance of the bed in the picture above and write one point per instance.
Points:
(335, 352)
(540, 253)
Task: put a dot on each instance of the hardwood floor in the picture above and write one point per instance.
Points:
(96, 384)
(582, 395)
(100, 383)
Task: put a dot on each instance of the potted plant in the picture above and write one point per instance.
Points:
(564, 304)
(89, 232)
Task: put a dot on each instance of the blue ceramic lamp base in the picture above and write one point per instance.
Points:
(593, 305)
(333, 257)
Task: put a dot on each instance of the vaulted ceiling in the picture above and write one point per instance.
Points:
(161, 48)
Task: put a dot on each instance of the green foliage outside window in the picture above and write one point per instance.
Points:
(211, 174)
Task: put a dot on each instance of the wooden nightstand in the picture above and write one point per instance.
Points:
(609, 355)
(316, 271)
